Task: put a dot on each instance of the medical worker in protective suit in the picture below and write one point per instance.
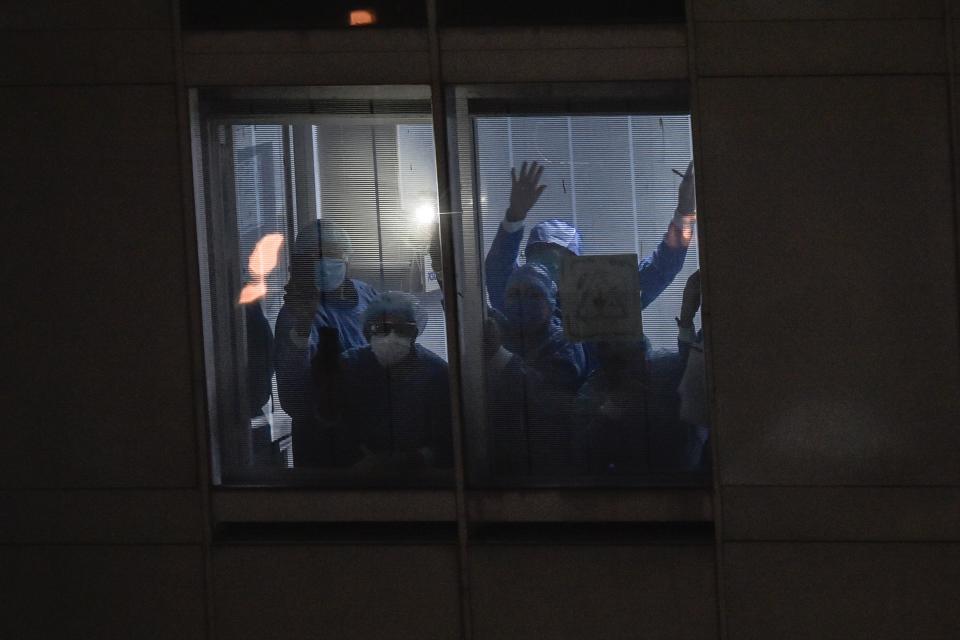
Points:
(551, 239)
(692, 388)
(532, 329)
(643, 409)
(323, 310)
(386, 403)
(532, 399)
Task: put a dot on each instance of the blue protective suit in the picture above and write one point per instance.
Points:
(657, 270)
(630, 409)
(337, 325)
(556, 360)
(404, 408)
(531, 424)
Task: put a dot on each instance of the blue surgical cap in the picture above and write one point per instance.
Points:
(536, 276)
(323, 235)
(395, 306)
(555, 232)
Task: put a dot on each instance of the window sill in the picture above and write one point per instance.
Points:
(288, 505)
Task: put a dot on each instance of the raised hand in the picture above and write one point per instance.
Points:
(525, 190)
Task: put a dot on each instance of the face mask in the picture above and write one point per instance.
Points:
(329, 273)
(389, 349)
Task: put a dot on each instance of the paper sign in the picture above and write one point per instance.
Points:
(600, 297)
(431, 282)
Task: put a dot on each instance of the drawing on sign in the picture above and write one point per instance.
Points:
(603, 300)
(601, 297)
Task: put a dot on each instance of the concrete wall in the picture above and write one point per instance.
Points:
(828, 187)
(102, 520)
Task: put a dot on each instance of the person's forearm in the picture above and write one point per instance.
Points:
(679, 233)
(660, 268)
(501, 260)
(291, 364)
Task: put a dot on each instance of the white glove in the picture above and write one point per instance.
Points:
(687, 194)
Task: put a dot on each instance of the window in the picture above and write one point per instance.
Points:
(319, 210)
(547, 407)
(575, 256)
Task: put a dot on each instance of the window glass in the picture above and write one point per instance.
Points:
(576, 269)
(328, 346)
(584, 264)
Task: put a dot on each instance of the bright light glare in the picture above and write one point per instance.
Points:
(425, 214)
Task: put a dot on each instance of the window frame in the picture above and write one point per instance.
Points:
(483, 497)
(224, 342)
(466, 102)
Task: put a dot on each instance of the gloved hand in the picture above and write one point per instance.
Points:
(687, 194)
(495, 356)
(302, 300)
(691, 300)
(302, 304)
(491, 338)
(525, 191)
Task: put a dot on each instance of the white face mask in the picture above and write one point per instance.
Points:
(390, 349)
